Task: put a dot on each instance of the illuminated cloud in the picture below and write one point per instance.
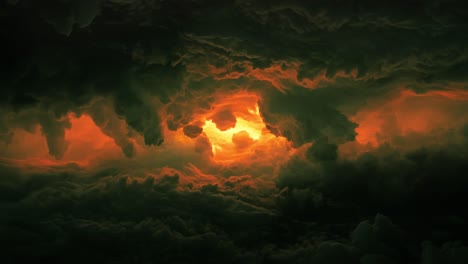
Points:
(234, 131)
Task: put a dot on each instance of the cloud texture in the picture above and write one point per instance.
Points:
(251, 131)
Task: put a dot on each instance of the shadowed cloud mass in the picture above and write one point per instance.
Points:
(202, 131)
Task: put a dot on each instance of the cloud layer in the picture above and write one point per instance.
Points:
(238, 131)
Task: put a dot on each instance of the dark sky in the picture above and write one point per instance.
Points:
(256, 131)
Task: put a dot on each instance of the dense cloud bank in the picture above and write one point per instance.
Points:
(369, 96)
(62, 54)
(106, 217)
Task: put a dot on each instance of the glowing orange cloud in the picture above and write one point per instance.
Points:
(281, 74)
(247, 133)
(86, 144)
(224, 142)
(234, 131)
(230, 132)
(410, 113)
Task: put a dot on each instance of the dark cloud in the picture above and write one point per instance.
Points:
(65, 16)
(383, 178)
(139, 60)
(193, 130)
(370, 95)
(68, 217)
(224, 120)
(285, 114)
(203, 145)
(110, 124)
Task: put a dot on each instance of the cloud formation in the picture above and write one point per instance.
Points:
(235, 131)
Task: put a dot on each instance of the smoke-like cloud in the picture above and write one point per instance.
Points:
(236, 131)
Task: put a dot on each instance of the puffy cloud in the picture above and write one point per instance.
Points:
(343, 113)
(450, 252)
(64, 212)
(224, 120)
(287, 116)
(192, 131)
(235, 56)
(65, 15)
(105, 118)
(242, 139)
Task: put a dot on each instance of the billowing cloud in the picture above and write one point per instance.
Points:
(224, 120)
(235, 131)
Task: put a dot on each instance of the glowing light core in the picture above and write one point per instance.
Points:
(223, 139)
(248, 133)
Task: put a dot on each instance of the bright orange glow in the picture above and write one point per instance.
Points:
(410, 113)
(247, 136)
(232, 132)
(223, 140)
(86, 144)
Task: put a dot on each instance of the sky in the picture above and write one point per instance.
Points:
(237, 131)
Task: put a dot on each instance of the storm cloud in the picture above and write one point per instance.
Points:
(251, 131)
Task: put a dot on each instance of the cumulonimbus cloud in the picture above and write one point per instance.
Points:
(262, 131)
